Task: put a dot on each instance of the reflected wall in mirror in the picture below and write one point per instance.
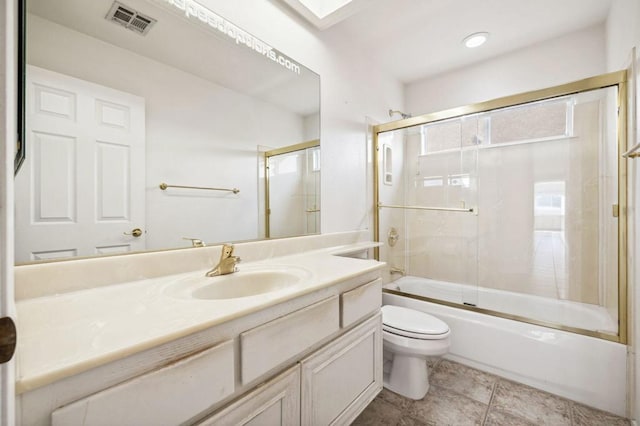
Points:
(113, 111)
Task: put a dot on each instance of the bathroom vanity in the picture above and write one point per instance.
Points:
(300, 345)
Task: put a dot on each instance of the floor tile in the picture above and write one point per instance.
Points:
(394, 399)
(456, 398)
(409, 421)
(379, 412)
(500, 418)
(432, 362)
(587, 416)
(464, 380)
(444, 407)
(531, 404)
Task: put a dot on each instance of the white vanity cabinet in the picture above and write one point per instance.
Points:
(312, 360)
(329, 387)
(337, 381)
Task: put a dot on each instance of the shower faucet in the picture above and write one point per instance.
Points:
(393, 270)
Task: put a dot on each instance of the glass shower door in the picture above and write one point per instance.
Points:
(517, 209)
(428, 185)
(293, 192)
(547, 234)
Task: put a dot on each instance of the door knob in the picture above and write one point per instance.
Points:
(136, 232)
(7, 339)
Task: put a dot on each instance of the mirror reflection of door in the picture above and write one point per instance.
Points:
(203, 119)
(292, 179)
(82, 188)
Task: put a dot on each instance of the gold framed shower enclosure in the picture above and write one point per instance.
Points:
(615, 79)
(267, 156)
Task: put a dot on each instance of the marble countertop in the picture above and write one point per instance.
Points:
(65, 334)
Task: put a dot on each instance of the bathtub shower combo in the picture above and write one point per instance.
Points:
(505, 219)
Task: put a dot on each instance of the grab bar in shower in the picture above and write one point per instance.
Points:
(164, 186)
(633, 152)
(444, 209)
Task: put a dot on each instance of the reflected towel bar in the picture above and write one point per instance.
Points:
(445, 209)
(164, 186)
(313, 210)
(633, 152)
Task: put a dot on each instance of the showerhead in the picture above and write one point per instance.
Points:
(402, 114)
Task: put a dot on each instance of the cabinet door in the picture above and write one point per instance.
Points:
(341, 379)
(277, 402)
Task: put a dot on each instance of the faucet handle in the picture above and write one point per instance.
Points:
(226, 251)
(195, 242)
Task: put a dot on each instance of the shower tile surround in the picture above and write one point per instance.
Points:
(460, 395)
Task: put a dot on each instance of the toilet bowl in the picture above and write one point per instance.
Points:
(409, 337)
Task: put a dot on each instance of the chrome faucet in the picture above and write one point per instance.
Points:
(227, 263)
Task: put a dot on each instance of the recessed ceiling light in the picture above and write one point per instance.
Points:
(475, 39)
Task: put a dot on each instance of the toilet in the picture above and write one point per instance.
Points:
(409, 337)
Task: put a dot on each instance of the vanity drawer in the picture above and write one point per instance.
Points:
(271, 344)
(357, 303)
(168, 396)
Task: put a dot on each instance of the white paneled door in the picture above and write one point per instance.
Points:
(82, 190)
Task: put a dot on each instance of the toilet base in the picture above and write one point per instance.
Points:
(408, 376)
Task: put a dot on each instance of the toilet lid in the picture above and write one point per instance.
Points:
(412, 321)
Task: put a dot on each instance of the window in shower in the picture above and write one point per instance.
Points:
(510, 210)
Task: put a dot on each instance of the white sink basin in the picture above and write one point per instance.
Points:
(246, 282)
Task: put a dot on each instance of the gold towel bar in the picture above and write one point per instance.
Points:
(633, 152)
(164, 186)
(445, 209)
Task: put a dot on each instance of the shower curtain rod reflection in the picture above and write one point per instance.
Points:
(444, 209)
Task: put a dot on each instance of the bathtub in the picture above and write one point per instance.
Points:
(554, 311)
(581, 368)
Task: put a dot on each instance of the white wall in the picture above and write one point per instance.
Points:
(623, 33)
(197, 133)
(351, 88)
(561, 60)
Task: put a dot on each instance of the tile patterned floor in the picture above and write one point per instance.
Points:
(460, 395)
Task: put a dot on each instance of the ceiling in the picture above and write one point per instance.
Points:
(192, 48)
(415, 39)
(410, 39)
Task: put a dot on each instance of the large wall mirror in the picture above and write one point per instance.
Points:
(152, 122)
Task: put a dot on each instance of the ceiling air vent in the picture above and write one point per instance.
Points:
(130, 18)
